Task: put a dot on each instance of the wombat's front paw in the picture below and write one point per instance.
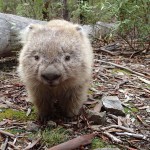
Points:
(70, 119)
(43, 118)
(72, 113)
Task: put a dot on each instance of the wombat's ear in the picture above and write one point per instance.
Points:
(33, 26)
(79, 29)
(24, 34)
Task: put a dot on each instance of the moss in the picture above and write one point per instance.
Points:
(98, 143)
(131, 109)
(54, 136)
(134, 110)
(127, 110)
(16, 115)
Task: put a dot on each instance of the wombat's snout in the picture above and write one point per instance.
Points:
(50, 74)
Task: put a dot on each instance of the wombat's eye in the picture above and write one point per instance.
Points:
(36, 57)
(67, 58)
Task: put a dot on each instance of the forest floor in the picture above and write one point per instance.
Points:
(19, 128)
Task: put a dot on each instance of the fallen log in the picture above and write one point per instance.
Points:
(10, 26)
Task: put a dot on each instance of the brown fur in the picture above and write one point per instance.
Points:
(52, 43)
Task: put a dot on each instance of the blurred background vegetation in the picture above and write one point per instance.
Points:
(131, 17)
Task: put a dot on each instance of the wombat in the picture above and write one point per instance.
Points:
(55, 64)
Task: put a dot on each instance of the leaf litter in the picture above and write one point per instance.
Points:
(126, 78)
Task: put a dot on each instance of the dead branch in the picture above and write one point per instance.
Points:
(4, 146)
(119, 127)
(7, 133)
(112, 137)
(125, 68)
(108, 48)
(14, 147)
(32, 144)
(75, 143)
(106, 51)
(113, 116)
(139, 136)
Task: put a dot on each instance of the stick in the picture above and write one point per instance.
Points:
(106, 51)
(7, 133)
(75, 143)
(125, 68)
(4, 146)
(113, 138)
(14, 147)
(32, 144)
(139, 136)
(117, 126)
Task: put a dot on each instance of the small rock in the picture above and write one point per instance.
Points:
(32, 127)
(107, 149)
(97, 117)
(113, 105)
(51, 124)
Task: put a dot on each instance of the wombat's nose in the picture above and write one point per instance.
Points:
(51, 76)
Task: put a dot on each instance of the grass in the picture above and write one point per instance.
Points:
(98, 143)
(53, 137)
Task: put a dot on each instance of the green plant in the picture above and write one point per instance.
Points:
(16, 115)
(132, 21)
(86, 12)
(54, 136)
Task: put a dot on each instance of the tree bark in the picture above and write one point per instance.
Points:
(45, 10)
(65, 10)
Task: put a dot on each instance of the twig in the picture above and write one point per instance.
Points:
(137, 52)
(139, 136)
(140, 119)
(7, 133)
(112, 137)
(4, 146)
(105, 51)
(113, 116)
(125, 68)
(75, 143)
(32, 144)
(14, 147)
(127, 42)
(119, 127)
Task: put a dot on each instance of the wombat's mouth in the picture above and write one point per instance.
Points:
(51, 83)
